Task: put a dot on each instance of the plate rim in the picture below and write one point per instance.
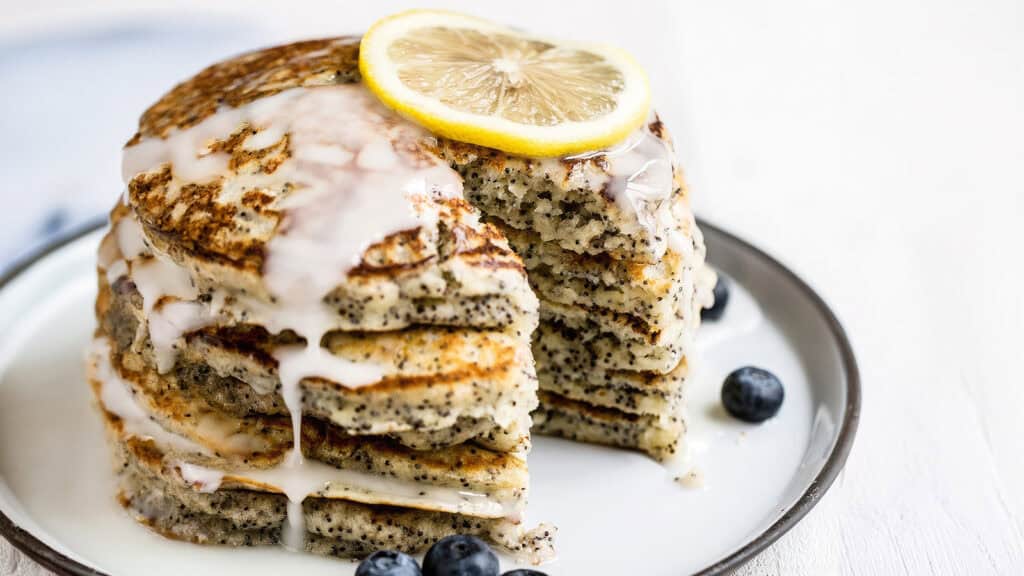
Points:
(63, 565)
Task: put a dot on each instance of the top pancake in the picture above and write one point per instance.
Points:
(585, 204)
(220, 224)
(196, 217)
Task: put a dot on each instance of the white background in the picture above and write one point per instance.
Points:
(875, 147)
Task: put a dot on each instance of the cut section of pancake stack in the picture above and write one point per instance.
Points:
(613, 253)
(306, 334)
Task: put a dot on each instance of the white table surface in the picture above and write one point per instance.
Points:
(875, 147)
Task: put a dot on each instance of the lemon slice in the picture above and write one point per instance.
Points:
(474, 81)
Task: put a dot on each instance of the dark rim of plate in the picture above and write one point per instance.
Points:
(61, 564)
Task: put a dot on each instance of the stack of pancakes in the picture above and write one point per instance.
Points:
(315, 320)
(306, 335)
(613, 252)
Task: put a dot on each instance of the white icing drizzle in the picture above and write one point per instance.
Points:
(156, 278)
(642, 182)
(116, 269)
(169, 323)
(205, 480)
(224, 435)
(168, 292)
(679, 243)
(161, 283)
(358, 177)
(117, 398)
(324, 480)
(130, 240)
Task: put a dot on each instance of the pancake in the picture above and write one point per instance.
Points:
(659, 437)
(640, 344)
(442, 386)
(652, 295)
(608, 350)
(613, 252)
(156, 492)
(563, 370)
(220, 221)
(197, 433)
(629, 392)
(599, 202)
(612, 387)
(463, 273)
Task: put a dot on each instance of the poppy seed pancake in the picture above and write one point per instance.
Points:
(318, 323)
(566, 367)
(309, 329)
(657, 436)
(614, 254)
(262, 442)
(156, 494)
(426, 401)
(570, 201)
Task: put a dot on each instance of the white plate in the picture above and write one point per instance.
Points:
(618, 512)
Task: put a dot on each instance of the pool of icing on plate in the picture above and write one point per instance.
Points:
(741, 317)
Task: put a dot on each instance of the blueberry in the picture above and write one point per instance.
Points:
(388, 563)
(752, 394)
(721, 293)
(460, 556)
(524, 572)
